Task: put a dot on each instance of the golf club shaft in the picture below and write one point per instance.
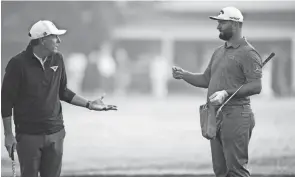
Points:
(13, 163)
(263, 63)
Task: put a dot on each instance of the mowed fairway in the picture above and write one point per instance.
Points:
(150, 136)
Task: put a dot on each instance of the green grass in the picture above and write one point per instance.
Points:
(150, 136)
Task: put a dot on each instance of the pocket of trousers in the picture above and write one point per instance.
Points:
(249, 115)
(63, 133)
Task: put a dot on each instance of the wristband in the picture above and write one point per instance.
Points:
(88, 104)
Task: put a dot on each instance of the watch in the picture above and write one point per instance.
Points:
(88, 104)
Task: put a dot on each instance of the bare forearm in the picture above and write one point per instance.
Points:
(249, 89)
(196, 79)
(79, 101)
(7, 124)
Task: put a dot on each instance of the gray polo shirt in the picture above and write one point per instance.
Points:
(232, 66)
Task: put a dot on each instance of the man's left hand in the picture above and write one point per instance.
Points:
(218, 98)
(98, 105)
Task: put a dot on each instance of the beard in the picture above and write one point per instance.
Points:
(226, 34)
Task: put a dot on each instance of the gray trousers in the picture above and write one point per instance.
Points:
(40, 153)
(230, 148)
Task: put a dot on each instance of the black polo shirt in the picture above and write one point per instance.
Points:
(232, 66)
(35, 92)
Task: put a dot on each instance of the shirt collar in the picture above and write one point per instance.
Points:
(30, 53)
(39, 58)
(235, 44)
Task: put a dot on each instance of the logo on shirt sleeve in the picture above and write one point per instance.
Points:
(257, 68)
(54, 68)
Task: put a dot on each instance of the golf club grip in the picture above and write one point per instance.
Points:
(12, 155)
(268, 58)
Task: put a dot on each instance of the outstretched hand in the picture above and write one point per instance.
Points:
(98, 105)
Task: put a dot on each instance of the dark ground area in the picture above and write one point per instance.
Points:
(176, 176)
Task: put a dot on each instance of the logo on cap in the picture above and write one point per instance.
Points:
(234, 18)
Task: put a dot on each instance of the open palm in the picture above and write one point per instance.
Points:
(99, 105)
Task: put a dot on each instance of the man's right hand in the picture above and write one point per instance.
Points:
(10, 143)
(177, 72)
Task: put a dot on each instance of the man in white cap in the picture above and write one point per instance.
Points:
(34, 84)
(232, 65)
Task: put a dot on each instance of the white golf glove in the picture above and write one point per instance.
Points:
(218, 97)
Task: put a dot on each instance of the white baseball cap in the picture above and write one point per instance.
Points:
(44, 28)
(229, 13)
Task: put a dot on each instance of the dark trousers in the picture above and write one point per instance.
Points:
(230, 148)
(40, 153)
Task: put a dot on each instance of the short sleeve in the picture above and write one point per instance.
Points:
(252, 66)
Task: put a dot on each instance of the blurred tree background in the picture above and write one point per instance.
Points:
(179, 31)
(88, 24)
